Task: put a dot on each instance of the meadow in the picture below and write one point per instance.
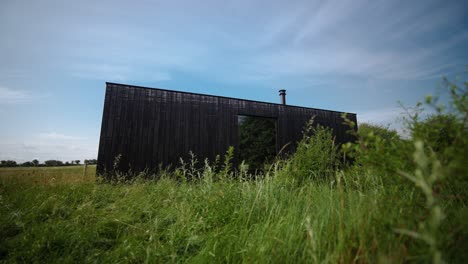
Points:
(382, 199)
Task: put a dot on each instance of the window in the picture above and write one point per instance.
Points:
(257, 141)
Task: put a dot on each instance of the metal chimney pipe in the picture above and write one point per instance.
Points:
(282, 94)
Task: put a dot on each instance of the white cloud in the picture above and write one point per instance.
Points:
(376, 39)
(57, 136)
(327, 15)
(391, 117)
(51, 145)
(387, 117)
(12, 74)
(29, 150)
(117, 73)
(343, 59)
(383, 116)
(383, 40)
(11, 96)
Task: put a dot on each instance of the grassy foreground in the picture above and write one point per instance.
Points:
(65, 217)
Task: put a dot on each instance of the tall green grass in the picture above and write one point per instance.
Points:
(227, 220)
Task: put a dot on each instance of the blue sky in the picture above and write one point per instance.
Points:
(355, 56)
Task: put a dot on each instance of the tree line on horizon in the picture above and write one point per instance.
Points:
(47, 163)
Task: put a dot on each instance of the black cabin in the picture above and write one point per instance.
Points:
(148, 127)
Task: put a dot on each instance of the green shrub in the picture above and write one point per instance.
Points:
(316, 156)
(385, 133)
(446, 134)
(440, 132)
(379, 150)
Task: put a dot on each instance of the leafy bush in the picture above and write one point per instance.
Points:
(439, 131)
(379, 150)
(446, 134)
(316, 156)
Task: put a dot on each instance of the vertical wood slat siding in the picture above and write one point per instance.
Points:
(149, 127)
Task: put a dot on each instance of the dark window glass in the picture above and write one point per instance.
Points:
(257, 141)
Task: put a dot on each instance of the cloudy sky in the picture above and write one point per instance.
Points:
(354, 56)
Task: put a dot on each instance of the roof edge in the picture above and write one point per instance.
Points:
(225, 97)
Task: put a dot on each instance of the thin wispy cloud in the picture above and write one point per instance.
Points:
(9, 75)
(12, 96)
(48, 145)
(58, 136)
(369, 39)
(118, 73)
(26, 150)
(373, 39)
(381, 116)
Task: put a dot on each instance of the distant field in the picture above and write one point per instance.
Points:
(48, 175)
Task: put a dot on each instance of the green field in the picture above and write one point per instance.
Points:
(48, 175)
(399, 200)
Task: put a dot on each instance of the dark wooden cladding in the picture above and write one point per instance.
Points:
(147, 127)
